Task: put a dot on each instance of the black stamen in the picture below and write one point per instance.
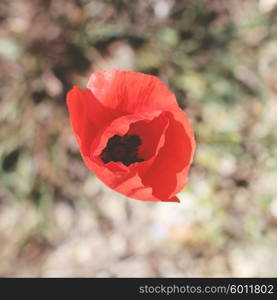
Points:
(122, 148)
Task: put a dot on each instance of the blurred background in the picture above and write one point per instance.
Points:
(220, 59)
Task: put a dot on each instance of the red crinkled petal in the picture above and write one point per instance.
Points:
(87, 116)
(168, 174)
(126, 183)
(151, 134)
(130, 92)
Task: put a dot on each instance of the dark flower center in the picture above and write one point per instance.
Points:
(122, 148)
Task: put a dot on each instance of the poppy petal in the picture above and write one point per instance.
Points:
(126, 183)
(151, 133)
(87, 115)
(167, 175)
(135, 189)
(130, 92)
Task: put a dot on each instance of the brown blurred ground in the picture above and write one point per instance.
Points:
(220, 58)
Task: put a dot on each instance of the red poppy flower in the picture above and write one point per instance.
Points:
(132, 134)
